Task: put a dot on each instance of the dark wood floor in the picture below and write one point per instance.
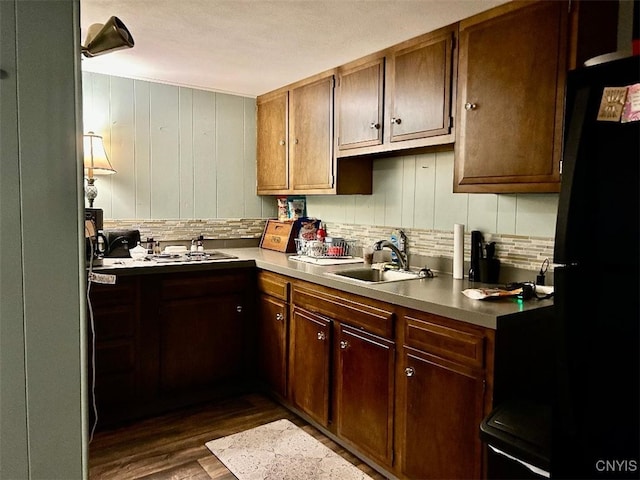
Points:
(173, 446)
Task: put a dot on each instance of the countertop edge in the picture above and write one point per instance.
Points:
(439, 296)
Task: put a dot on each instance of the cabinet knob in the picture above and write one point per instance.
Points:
(281, 142)
(344, 344)
(395, 120)
(279, 317)
(470, 106)
(321, 336)
(296, 142)
(239, 309)
(409, 371)
(375, 126)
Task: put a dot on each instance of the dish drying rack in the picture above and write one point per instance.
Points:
(318, 249)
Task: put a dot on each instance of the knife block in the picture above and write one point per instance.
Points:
(489, 270)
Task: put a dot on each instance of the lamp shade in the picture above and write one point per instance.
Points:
(96, 161)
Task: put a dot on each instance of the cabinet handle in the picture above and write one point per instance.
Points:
(470, 106)
(281, 142)
(279, 317)
(296, 141)
(409, 371)
(239, 309)
(395, 120)
(321, 336)
(344, 344)
(375, 126)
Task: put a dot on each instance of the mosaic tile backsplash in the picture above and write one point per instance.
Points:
(522, 252)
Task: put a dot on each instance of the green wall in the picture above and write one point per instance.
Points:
(42, 414)
(179, 153)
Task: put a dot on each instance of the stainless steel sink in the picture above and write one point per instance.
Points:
(372, 275)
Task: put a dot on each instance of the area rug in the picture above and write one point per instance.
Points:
(281, 451)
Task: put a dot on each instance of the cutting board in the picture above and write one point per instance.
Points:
(325, 261)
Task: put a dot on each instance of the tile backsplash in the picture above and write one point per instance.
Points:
(522, 252)
(184, 230)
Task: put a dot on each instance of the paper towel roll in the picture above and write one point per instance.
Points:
(458, 251)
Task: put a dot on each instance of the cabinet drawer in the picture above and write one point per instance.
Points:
(273, 285)
(121, 293)
(192, 286)
(351, 311)
(446, 342)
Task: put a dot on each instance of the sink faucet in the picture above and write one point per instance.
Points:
(402, 258)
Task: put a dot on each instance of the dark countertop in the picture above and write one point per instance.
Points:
(441, 295)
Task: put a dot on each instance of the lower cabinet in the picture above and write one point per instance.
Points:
(273, 328)
(442, 396)
(201, 343)
(166, 340)
(341, 367)
(403, 389)
(441, 409)
(272, 347)
(364, 391)
(310, 357)
(114, 350)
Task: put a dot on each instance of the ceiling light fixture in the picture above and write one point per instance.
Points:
(106, 38)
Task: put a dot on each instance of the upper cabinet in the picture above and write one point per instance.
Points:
(273, 143)
(511, 78)
(311, 135)
(492, 84)
(397, 99)
(419, 88)
(296, 143)
(510, 89)
(359, 104)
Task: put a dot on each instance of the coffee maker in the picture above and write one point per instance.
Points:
(93, 223)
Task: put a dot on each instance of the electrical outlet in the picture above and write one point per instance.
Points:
(102, 278)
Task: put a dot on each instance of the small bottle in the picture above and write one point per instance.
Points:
(193, 245)
(156, 249)
(200, 245)
(150, 245)
(321, 234)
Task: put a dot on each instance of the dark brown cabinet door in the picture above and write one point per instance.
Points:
(272, 346)
(364, 392)
(359, 105)
(440, 410)
(310, 352)
(311, 136)
(419, 89)
(115, 321)
(201, 343)
(510, 100)
(272, 153)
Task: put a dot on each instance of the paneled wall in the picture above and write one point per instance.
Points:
(43, 390)
(416, 192)
(178, 152)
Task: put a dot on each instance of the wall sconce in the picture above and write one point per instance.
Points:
(106, 38)
(96, 162)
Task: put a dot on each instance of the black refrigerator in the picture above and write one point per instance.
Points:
(595, 405)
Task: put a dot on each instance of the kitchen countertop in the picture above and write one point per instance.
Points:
(441, 295)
